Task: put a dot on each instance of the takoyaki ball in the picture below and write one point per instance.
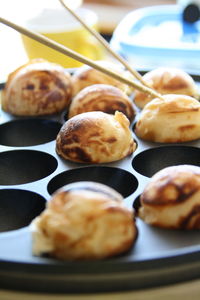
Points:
(171, 199)
(173, 119)
(95, 137)
(85, 220)
(86, 75)
(167, 81)
(37, 88)
(101, 97)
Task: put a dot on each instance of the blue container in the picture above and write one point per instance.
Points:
(157, 36)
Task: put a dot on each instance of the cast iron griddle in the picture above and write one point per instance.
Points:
(30, 171)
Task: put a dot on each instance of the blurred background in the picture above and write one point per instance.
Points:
(105, 16)
(111, 12)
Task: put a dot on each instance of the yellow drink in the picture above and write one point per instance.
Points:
(67, 32)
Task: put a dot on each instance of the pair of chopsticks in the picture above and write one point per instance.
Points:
(66, 51)
(104, 43)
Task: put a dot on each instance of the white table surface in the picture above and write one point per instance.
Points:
(12, 53)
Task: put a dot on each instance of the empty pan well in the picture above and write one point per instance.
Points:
(151, 161)
(23, 166)
(122, 181)
(18, 208)
(28, 132)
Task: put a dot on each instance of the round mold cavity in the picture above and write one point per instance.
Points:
(24, 166)
(18, 208)
(136, 203)
(122, 181)
(134, 125)
(28, 132)
(65, 116)
(153, 160)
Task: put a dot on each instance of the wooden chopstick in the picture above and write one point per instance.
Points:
(104, 43)
(66, 51)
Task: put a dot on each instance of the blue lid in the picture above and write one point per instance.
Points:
(158, 33)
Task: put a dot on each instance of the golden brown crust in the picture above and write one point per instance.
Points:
(171, 199)
(174, 119)
(84, 223)
(166, 81)
(37, 88)
(95, 137)
(101, 97)
(86, 76)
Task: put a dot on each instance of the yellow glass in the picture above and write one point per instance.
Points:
(75, 37)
